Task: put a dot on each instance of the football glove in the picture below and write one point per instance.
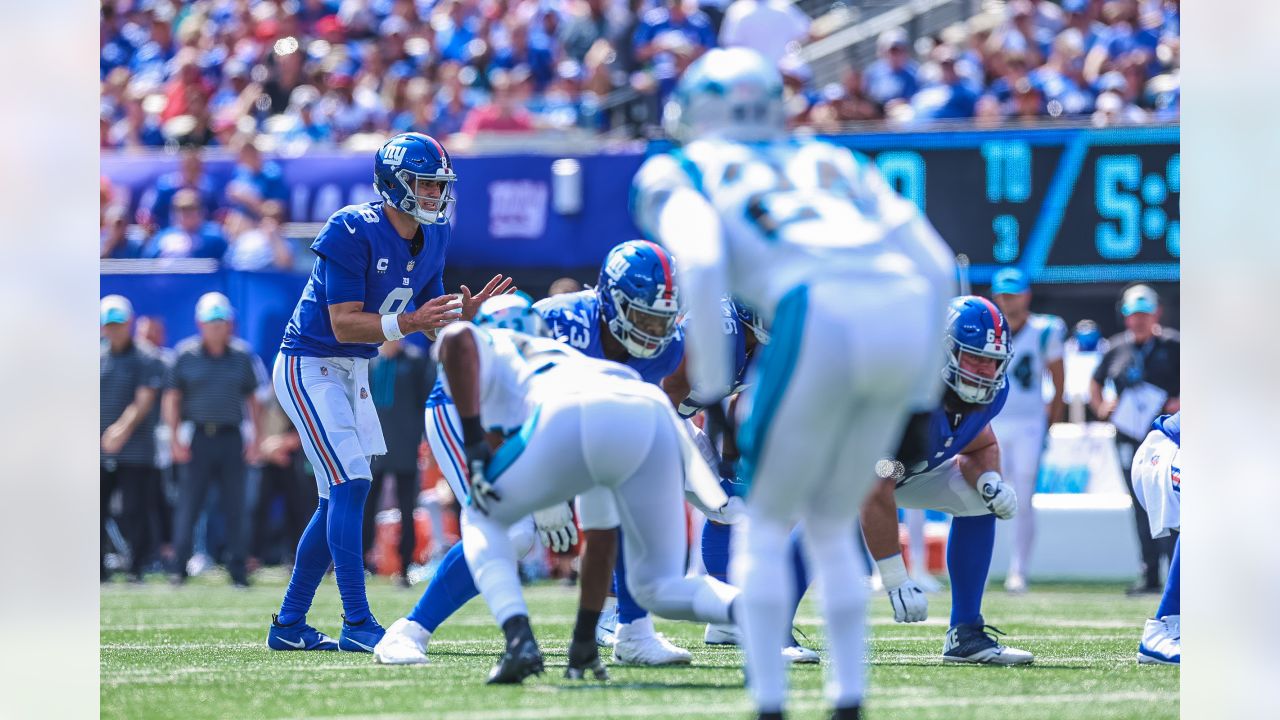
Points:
(997, 496)
(483, 494)
(556, 528)
(907, 598)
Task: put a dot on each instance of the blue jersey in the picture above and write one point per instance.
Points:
(361, 240)
(1171, 426)
(734, 328)
(949, 432)
(574, 318)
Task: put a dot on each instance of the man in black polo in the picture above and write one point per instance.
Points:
(400, 378)
(130, 379)
(1142, 366)
(211, 382)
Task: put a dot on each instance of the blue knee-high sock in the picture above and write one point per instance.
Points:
(448, 591)
(628, 609)
(969, 548)
(799, 573)
(346, 543)
(1171, 601)
(309, 564)
(715, 550)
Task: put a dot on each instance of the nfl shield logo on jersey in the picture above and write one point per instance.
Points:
(364, 394)
(324, 370)
(409, 267)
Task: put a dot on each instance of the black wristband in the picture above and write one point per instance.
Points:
(472, 431)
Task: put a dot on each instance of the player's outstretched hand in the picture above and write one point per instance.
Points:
(909, 602)
(433, 315)
(497, 285)
(556, 527)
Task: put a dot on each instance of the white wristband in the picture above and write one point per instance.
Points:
(893, 571)
(391, 327)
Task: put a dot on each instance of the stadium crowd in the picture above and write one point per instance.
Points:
(304, 73)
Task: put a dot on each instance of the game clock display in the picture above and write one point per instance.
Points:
(1069, 205)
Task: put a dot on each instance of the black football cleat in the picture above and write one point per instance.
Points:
(585, 658)
(520, 660)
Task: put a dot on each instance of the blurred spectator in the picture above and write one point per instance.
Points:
(772, 28)
(502, 113)
(1113, 109)
(211, 384)
(892, 76)
(115, 241)
(950, 98)
(527, 49)
(669, 38)
(130, 379)
(1137, 380)
(283, 481)
(260, 247)
(255, 180)
(1060, 79)
(155, 204)
(190, 235)
(584, 22)
(564, 285)
(400, 378)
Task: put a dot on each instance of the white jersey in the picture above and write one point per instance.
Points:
(785, 214)
(508, 363)
(1038, 343)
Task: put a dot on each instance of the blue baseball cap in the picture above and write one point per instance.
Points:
(214, 306)
(1139, 299)
(114, 309)
(1009, 281)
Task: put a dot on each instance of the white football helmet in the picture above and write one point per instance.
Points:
(729, 93)
(512, 311)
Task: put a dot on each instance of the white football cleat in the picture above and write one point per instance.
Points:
(607, 625)
(1161, 642)
(800, 655)
(1015, 585)
(639, 644)
(405, 643)
(721, 634)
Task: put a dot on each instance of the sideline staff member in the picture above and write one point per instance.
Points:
(211, 382)
(1142, 364)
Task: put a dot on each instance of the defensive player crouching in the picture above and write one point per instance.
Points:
(1157, 483)
(373, 261)
(452, 586)
(953, 466)
(586, 424)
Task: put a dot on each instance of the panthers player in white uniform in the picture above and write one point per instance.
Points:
(1023, 424)
(582, 423)
(853, 282)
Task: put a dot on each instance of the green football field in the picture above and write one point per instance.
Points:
(198, 652)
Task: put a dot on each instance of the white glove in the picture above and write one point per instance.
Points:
(997, 496)
(556, 528)
(909, 602)
(729, 513)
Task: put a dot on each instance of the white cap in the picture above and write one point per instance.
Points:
(114, 309)
(214, 306)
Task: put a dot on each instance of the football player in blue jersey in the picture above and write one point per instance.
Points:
(1157, 484)
(949, 461)
(629, 317)
(748, 333)
(378, 275)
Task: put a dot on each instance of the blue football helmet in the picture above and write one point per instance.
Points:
(512, 311)
(978, 350)
(729, 93)
(1087, 336)
(638, 297)
(750, 319)
(413, 173)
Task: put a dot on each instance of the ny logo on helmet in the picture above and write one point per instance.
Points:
(393, 155)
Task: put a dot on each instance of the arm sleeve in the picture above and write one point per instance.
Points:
(341, 285)
(690, 228)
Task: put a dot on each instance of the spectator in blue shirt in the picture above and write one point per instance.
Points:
(893, 74)
(191, 236)
(949, 99)
(255, 180)
(530, 49)
(153, 208)
(669, 38)
(114, 241)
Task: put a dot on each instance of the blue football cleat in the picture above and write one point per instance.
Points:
(297, 636)
(360, 637)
